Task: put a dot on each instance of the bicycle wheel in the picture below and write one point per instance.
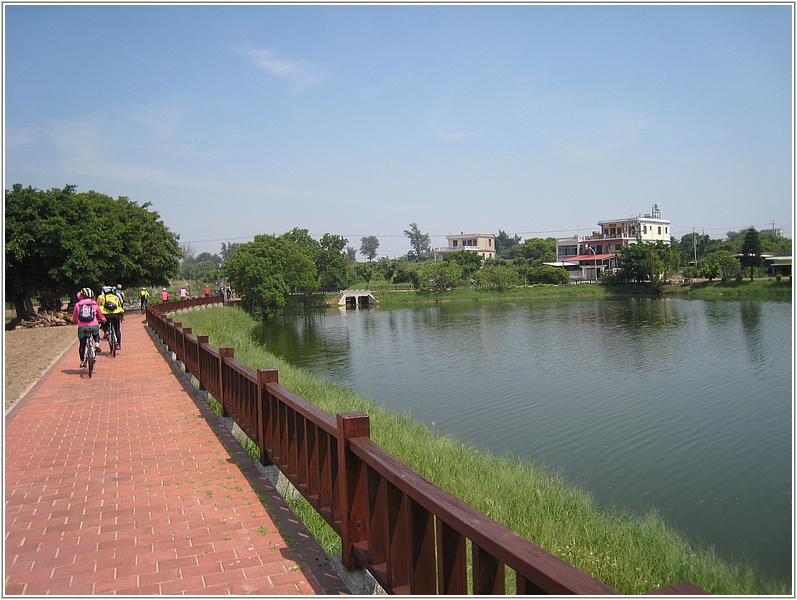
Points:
(112, 340)
(91, 357)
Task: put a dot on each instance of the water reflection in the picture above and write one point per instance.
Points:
(646, 402)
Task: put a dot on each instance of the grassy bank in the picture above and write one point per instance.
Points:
(631, 553)
(758, 289)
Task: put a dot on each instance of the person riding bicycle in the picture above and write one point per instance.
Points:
(118, 291)
(144, 296)
(111, 308)
(88, 316)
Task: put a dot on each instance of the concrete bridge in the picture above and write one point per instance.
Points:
(357, 297)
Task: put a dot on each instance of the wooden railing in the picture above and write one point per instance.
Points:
(410, 534)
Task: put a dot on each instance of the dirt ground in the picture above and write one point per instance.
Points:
(29, 353)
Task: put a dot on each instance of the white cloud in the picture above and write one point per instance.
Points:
(296, 72)
(16, 137)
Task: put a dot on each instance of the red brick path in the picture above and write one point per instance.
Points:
(123, 484)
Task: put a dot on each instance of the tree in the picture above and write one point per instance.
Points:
(387, 267)
(720, 263)
(643, 261)
(710, 269)
(204, 267)
(227, 250)
(548, 274)
(438, 276)
(497, 276)
(418, 241)
(366, 272)
(538, 250)
(206, 271)
(58, 241)
(505, 245)
(266, 270)
(351, 254)
(368, 246)
(470, 262)
(303, 241)
(332, 265)
(751, 250)
(203, 256)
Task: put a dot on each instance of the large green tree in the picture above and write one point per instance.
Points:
(645, 262)
(266, 270)
(332, 263)
(58, 241)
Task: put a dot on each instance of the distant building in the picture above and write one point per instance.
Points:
(778, 264)
(776, 232)
(483, 243)
(588, 255)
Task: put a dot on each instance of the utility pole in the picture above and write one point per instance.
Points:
(694, 242)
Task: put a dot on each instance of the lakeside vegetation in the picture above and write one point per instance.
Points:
(390, 296)
(632, 553)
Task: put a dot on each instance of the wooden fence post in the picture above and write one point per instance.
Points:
(200, 339)
(224, 352)
(264, 416)
(186, 331)
(353, 492)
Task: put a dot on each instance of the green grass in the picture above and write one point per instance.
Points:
(389, 299)
(758, 289)
(631, 553)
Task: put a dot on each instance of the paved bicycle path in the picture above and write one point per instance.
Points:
(126, 483)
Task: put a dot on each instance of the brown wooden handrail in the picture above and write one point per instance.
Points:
(410, 534)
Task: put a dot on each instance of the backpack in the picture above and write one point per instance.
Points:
(110, 302)
(85, 313)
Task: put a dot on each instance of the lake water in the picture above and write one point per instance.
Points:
(682, 405)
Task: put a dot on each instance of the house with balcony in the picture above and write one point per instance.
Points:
(587, 256)
(483, 243)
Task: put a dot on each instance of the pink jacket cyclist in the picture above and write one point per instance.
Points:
(90, 327)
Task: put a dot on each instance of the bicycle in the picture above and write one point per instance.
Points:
(112, 339)
(91, 354)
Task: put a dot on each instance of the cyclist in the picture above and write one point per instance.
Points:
(118, 291)
(111, 308)
(88, 318)
(144, 295)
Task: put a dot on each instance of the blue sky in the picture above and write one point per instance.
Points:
(538, 120)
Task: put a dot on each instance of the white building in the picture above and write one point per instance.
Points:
(483, 243)
(586, 256)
